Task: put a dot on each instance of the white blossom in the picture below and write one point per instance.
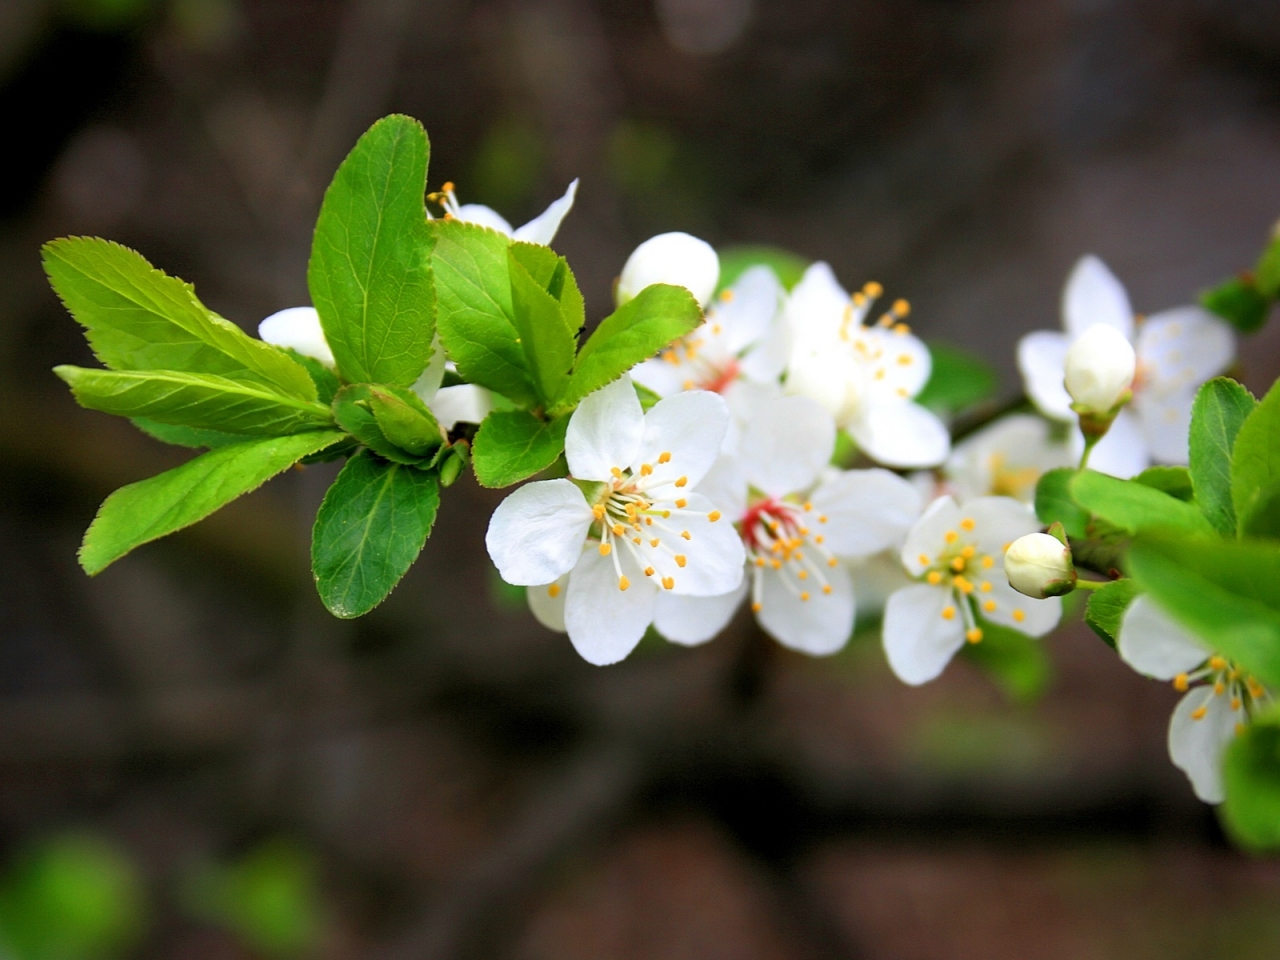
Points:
(1176, 351)
(1006, 458)
(1219, 697)
(956, 553)
(1040, 566)
(631, 499)
(675, 258)
(865, 375)
(541, 229)
(1099, 368)
(298, 328)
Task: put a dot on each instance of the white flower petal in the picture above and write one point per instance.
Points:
(900, 362)
(536, 534)
(690, 621)
(1012, 609)
(464, 403)
(547, 603)
(1166, 424)
(1042, 358)
(1122, 452)
(605, 431)
(997, 522)
(928, 536)
(766, 361)
(1180, 349)
(785, 441)
(713, 551)
(746, 315)
(299, 329)
(818, 626)
(867, 511)
(1196, 746)
(542, 228)
(876, 578)
(478, 213)
(822, 375)
(1094, 295)
(604, 622)
(725, 487)
(429, 381)
(661, 376)
(1006, 458)
(1154, 644)
(816, 307)
(675, 258)
(690, 426)
(900, 434)
(918, 640)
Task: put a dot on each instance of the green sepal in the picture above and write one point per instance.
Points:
(371, 526)
(513, 446)
(1106, 606)
(1251, 775)
(1220, 408)
(150, 509)
(353, 408)
(1239, 302)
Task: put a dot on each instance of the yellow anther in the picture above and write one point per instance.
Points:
(803, 575)
(1235, 703)
(687, 385)
(822, 519)
(901, 329)
(804, 595)
(1239, 728)
(637, 541)
(951, 536)
(686, 534)
(985, 586)
(974, 635)
(818, 539)
(553, 590)
(726, 295)
(803, 531)
(664, 456)
(796, 555)
(967, 524)
(826, 588)
(968, 552)
(605, 548)
(934, 577)
(598, 511)
(617, 474)
(670, 357)
(1217, 663)
(1005, 548)
(957, 564)
(682, 503)
(757, 607)
(681, 559)
(623, 583)
(924, 559)
(1019, 615)
(880, 373)
(904, 359)
(1199, 712)
(988, 563)
(903, 392)
(648, 521)
(832, 561)
(716, 329)
(759, 561)
(808, 507)
(713, 516)
(775, 563)
(963, 585)
(669, 582)
(646, 469)
(1180, 683)
(618, 529)
(872, 289)
(948, 612)
(901, 307)
(654, 542)
(682, 481)
(648, 571)
(989, 606)
(1219, 688)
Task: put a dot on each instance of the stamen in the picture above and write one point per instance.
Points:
(974, 635)
(951, 536)
(553, 590)
(948, 613)
(686, 534)
(967, 524)
(756, 606)
(617, 473)
(1199, 713)
(682, 481)
(1217, 663)
(646, 469)
(989, 606)
(713, 516)
(669, 582)
(804, 596)
(832, 562)
(934, 577)
(681, 559)
(682, 503)
(826, 588)
(924, 559)
(664, 457)
(623, 583)
(968, 552)
(605, 548)
(957, 564)
(1018, 615)
(987, 563)
(648, 571)
(1180, 683)
(598, 511)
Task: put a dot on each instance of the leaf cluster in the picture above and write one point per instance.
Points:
(1245, 300)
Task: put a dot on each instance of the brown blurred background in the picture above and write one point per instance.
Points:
(446, 779)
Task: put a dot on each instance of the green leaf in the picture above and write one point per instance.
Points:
(1016, 662)
(1134, 506)
(1266, 275)
(958, 380)
(1055, 504)
(1226, 592)
(1255, 460)
(635, 331)
(1175, 481)
(354, 409)
(1251, 774)
(187, 436)
(138, 318)
(473, 284)
(545, 337)
(1263, 519)
(513, 446)
(404, 419)
(194, 400)
(150, 509)
(648, 399)
(371, 527)
(1220, 407)
(1106, 607)
(326, 381)
(735, 261)
(370, 269)
(1238, 302)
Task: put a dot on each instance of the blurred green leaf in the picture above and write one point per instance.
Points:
(1134, 506)
(153, 508)
(1266, 275)
(1175, 481)
(1255, 459)
(1106, 606)
(788, 267)
(1264, 516)
(138, 318)
(270, 899)
(1251, 773)
(74, 897)
(1055, 504)
(1238, 302)
(508, 163)
(958, 380)
(1016, 662)
(513, 446)
(1220, 407)
(637, 330)
(641, 156)
(371, 526)
(195, 400)
(370, 269)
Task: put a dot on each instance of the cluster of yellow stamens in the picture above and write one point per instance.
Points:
(629, 516)
(868, 348)
(778, 536)
(960, 568)
(705, 372)
(447, 201)
(1228, 679)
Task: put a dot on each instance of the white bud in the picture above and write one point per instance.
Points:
(1040, 566)
(675, 258)
(1099, 369)
(299, 329)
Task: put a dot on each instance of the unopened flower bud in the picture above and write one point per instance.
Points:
(299, 329)
(675, 258)
(1040, 566)
(1099, 370)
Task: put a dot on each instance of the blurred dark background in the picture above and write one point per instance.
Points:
(197, 762)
